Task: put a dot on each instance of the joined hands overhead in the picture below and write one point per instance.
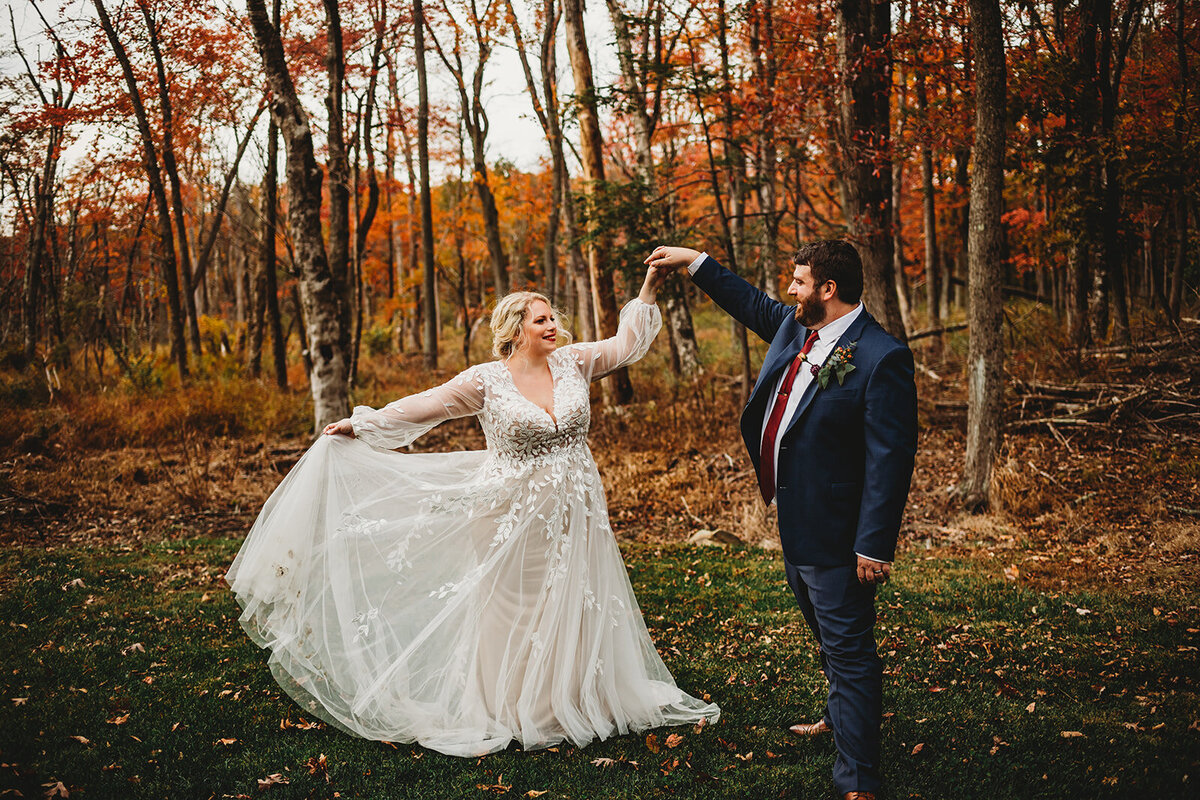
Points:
(668, 259)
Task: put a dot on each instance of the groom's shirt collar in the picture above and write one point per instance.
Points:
(829, 334)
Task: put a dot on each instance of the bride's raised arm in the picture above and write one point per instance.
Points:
(640, 322)
(402, 421)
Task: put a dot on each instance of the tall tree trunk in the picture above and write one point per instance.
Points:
(210, 236)
(154, 178)
(172, 170)
(430, 282)
(411, 261)
(929, 218)
(43, 190)
(617, 388)
(643, 72)
(985, 359)
(41, 231)
(865, 64)
(1180, 125)
(270, 223)
(338, 167)
(475, 119)
(364, 223)
(549, 116)
(322, 294)
(762, 47)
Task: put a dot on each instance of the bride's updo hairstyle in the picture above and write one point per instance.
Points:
(508, 322)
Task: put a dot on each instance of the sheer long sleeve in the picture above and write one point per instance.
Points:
(403, 421)
(639, 324)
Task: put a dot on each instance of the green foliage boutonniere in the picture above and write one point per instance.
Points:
(838, 365)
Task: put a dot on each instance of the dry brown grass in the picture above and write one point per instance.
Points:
(183, 460)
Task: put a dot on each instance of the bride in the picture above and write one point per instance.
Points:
(464, 600)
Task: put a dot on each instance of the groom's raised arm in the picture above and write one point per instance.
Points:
(741, 300)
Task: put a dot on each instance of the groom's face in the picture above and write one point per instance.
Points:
(810, 302)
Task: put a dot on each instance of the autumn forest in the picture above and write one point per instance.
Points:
(223, 224)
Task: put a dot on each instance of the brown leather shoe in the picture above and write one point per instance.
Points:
(811, 728)
(858, 796)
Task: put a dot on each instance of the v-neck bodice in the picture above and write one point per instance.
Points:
(516, 426)
(550, 412)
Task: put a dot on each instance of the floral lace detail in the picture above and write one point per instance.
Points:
(362, 623)
(524, 432)
(355, 524)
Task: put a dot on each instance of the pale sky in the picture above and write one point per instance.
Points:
(514, 134)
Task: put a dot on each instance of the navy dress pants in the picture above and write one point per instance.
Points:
(841, 613)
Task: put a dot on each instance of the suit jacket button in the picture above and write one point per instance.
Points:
(781, 486)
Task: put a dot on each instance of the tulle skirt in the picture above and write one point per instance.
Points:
(460, 600)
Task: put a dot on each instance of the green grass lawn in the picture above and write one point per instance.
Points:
(125, 675)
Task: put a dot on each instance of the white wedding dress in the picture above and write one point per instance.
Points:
(461, 600)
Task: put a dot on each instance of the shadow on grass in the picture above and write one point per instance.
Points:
(126, 675)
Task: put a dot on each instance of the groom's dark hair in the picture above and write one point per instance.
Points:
(834, 260)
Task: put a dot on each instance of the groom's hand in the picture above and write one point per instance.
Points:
(873, 572)
(669, 259)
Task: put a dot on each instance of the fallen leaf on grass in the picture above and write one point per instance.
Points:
(499, 787)
(652, 743)
(81, 739)
(318, 766)
(55, 789)
(536, 792)
(120, 719)
(1071, 734)
(746, 757)
(271, 780)
(302, 725)
(674, 740)
(136, 647)
(20, 701)
(78, 584)
(916, 751)
(1011, 573)
(225, 742)
(1031, 707)
(603, 762)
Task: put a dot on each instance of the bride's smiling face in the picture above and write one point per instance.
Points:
(539, 333)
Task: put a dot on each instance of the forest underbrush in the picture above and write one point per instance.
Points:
(1097, 483)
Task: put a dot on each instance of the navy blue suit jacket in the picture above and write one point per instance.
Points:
(846, 456)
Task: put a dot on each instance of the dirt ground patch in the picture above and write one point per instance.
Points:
(1109, 501)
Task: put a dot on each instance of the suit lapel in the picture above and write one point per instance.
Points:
(852, 334)
(777, 361)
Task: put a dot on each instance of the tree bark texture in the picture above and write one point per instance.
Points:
(929, 218)
(172, 169)
(430, 280)
(617, 388)
(166, 235)
(985, 357)
(865, 65)
(321, 294)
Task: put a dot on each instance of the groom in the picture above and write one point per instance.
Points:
(831, 427)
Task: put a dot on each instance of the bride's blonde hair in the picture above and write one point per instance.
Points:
(508, 322)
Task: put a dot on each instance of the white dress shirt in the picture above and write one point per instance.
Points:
(827, 338)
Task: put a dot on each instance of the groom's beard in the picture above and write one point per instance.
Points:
(811, 313)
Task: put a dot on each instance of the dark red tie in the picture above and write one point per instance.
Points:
(766, 461)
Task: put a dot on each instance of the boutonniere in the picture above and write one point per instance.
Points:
(838, 365)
